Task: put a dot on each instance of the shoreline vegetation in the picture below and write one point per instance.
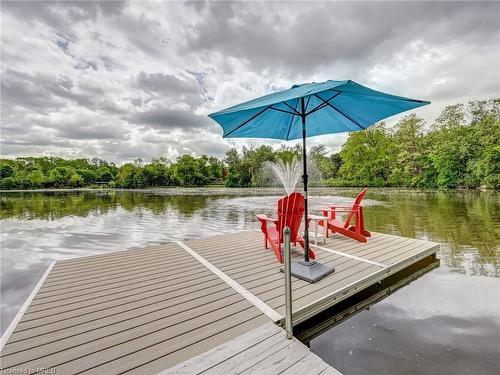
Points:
(254, 190)
(461, 149)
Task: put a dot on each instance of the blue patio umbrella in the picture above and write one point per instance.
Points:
(308, 110)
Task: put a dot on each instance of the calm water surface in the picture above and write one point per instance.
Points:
(446, 322)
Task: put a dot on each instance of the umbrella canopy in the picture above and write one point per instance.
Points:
(330, 107)
(308, 110)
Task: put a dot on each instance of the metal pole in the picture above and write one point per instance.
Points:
(288, 285)
(304, 180)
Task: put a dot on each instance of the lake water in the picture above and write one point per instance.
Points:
(446, 322)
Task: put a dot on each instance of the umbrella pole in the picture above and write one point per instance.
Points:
(304, 179)
(305, 269)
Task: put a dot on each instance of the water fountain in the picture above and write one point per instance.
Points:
(287, 173)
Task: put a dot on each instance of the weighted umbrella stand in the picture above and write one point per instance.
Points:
(307, 270)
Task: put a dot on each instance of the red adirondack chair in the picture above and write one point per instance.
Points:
(290, 213)
(356, 231)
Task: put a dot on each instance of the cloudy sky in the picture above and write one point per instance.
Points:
(122, 80)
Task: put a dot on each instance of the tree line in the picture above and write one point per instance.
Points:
(460, 149)
(54, 172)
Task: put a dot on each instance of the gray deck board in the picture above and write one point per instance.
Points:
(265, 350)
(146, 310)
(56, 315)
(128, 284)
(250, 355)
(45, 335)
(122, 331)
(159, 364)
(132, 263)
(142, 289)
(230, 351)
(141, 344)
(280, 360)
(272, 290)
(310, 364)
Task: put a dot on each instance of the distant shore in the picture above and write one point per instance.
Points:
(223, 190)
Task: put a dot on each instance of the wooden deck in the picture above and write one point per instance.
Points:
(144, 311)
(357, 266)
(264, 350)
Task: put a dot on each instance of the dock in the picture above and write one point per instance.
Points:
(203, 306)
(264, 350)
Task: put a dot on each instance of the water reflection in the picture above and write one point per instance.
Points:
(37, 228)
(55, 205)
(441, 324)
(467, 223)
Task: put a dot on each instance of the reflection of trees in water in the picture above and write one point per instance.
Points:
(189, 204)
(465, 220)
(461, 219)
(53, 205)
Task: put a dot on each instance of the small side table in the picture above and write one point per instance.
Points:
(317, 219)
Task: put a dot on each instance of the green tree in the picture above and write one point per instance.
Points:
(254, 160)
(6, 170)
(407, 166)
(483, 168)
(189, 171)
(287, 154)
(59, 176)
(76, 180)
(318, 156)
(367, 157)
(232, 161)
(160, 172)
(336, 162)
(125, 176)
(142, 178)
(9, 183)
(104, 174)
(452, 146)
(215, 169)
(238, 173)
(37, 178)
(88, 176)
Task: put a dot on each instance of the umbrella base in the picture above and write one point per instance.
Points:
(310, 271)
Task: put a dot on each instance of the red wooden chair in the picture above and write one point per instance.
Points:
(290, 213)
(356, 231)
